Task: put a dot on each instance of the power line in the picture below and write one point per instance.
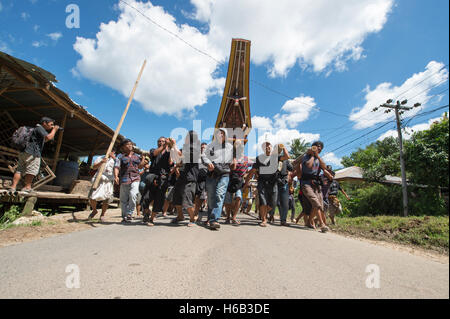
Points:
(416, 115)
(434, 73)
(216, 60)
(430, 97)
(170, 32)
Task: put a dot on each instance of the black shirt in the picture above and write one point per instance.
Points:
(160, 163)
(283, 175)
(334, 188)
(267, 169)
(36, 142)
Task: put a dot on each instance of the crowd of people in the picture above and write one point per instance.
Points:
(216, 178)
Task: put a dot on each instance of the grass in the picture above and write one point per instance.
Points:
(429, 232)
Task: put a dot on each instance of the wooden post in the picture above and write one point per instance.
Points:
(91, 154)
(113, 141)
(29, 206)
(58, 145)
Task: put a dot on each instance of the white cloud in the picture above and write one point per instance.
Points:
(407, 132)
(25, 16)
(79, 93)
(417, 87)
(38, 44)
(332, 159)
(296, 111)
(282, 127)
(319, 33)
(293, 112)
(5, 48)
(177, 78)
(36, 27)
(1, 7)
(55, 36)
(261, 122)
(283, 136)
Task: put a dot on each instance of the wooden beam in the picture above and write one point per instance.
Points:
(21, 105)
(27, 78)
(21, 89)
(38, 107)
(4, 90)
(73, 148)
(69, 108)
(58, 145)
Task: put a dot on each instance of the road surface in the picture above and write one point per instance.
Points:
(246, 261)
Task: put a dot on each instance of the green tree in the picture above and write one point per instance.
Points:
(298, 147)
(426, 155)
(377, 159)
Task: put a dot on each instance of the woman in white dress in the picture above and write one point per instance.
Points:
(105, 189)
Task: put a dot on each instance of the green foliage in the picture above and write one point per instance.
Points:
(10, 215)
(298, 147)
(377, 160)
(427, 156)
(428, 232)
(378, 199)
(426, 161)
(374, 200)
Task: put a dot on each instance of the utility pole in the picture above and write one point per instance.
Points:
(400, 108)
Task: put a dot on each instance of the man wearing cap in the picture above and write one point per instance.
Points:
(126, 174)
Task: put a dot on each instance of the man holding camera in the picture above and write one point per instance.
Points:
(30, 157)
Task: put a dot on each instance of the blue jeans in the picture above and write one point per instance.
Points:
(283, 202)
(128, 197)
(216, 187)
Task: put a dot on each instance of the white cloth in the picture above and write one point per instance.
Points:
(105, 189)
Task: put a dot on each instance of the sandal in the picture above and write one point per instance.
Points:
(92, 215)
(191, 224)
(176, 220)
(235, 222)
(227, 221)
(263, 224)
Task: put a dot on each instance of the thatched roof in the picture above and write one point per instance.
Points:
(27, 93)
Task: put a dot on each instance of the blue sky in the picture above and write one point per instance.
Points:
(342, 58)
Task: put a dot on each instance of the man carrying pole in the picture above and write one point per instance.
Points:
(116, 133)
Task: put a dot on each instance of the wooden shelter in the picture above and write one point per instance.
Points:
(28, 93)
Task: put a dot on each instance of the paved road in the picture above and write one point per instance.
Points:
(247, 261)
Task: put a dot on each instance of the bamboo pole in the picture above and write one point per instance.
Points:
(58, 145)
(113, 141)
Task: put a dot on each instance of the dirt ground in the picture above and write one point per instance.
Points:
(71, 222)
(56, 225)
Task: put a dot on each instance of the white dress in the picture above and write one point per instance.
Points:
(105, 189)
